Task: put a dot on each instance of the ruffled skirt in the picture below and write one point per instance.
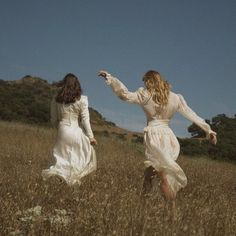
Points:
(162, 150)
(74, 155)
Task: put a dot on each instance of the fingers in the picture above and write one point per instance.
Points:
(103, 73)
(213, 138)
(93, 142)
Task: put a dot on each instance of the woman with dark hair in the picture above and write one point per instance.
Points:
(159, 104)
(73, 151)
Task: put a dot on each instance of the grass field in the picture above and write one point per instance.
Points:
(108, 202)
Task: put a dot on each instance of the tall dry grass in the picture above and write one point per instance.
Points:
(108, 202)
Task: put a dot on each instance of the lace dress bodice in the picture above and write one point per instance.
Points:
(69, 114)
(153, 111)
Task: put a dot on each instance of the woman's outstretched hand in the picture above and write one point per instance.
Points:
(103, 74)
(93, 141)
(213, 138)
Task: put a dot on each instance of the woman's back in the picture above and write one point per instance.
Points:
(155, 111)
(71, 111)
(69, 114)
(75, 157)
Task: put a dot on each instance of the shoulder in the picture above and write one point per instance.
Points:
(83, 101)
(143, 92)
(179, 98)
(84, 98)
(176, 95)
(143, 95)
(176, 98)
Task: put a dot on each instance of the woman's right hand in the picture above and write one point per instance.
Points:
(93, 142)
(103, 74)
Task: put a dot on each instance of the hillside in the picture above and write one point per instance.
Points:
(225, 127)
(28, 100)
(108, 202)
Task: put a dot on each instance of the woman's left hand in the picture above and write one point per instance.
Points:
(93, 141)
(213, 138)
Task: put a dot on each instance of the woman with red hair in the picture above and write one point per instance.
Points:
(159, 104)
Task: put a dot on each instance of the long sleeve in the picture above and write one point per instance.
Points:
(138, 97)
(188, 113)
(53, 113)
(85, 117)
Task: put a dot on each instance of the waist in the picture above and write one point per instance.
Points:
(69, 116)
(69, 123)
(69, 119)
(163, 123)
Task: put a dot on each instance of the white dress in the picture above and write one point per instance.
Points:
(162, 146)
(75, 157)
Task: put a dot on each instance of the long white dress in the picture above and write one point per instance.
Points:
(162, 146)
(75, 157)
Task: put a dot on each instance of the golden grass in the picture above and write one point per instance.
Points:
(108, 202)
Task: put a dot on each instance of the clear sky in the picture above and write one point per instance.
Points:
(191, 42)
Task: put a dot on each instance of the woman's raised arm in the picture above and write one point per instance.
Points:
(138, 97)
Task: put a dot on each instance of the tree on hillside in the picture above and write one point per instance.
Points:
(196, 132)
(225, 127)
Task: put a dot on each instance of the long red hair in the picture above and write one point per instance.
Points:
(157, 87)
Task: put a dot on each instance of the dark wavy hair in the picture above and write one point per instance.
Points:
(70, 89)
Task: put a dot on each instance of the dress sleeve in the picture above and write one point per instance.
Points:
(139, 97)
(53, 113)
(85, 118)
(188, 113)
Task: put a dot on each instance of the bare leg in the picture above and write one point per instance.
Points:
(149, 174)
(165, 187)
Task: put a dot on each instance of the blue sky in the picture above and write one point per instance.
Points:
(192, 43)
